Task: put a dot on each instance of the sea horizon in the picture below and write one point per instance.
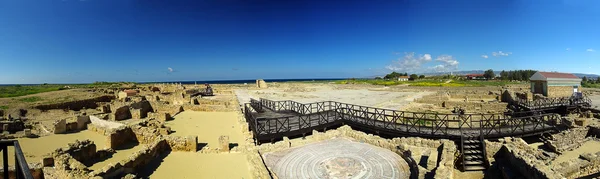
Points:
(199, 81)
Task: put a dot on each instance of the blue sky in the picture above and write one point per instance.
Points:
(75, 41)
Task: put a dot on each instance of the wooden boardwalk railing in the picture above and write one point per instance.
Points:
(303, 118)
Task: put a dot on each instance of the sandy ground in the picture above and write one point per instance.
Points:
(35, 148)
(208, 126)
(588, 147)
(119, 156)
(197, 165)
(375, 97)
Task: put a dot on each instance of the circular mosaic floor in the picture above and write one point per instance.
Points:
(337, 158)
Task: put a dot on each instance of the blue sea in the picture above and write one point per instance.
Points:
(214, 81)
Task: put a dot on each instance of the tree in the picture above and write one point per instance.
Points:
(378, 78)
(584, 79)
(414, 76)
(489, 74)
(421, 76)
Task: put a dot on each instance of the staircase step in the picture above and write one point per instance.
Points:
(471, 142)
(473, 157)
(474, 168)
(474, 162)
(470, 147)
(473, 152)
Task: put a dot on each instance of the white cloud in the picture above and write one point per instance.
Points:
(170, 69)
(590, 50)
(449, 63)
(568, 49)
(484, 56)
(409, 63)
(500, 53)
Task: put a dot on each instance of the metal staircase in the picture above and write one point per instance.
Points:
(473, 153)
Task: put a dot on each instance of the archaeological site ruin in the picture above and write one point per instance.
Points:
(305, 130)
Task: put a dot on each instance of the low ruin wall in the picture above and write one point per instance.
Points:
(567, 140)
(77, 105)
(526, 160)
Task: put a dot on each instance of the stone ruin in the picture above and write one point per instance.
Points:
(80, 122)
(260, 83)
(73, 161)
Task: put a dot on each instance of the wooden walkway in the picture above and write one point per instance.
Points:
(270, 120)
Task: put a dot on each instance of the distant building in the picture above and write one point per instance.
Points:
(475, 77)
(553, 84)
(403, 78)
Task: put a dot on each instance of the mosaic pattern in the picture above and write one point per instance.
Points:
(337, 158)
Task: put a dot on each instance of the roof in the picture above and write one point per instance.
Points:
(474, 75)
(403, 77)
(545, 76)
(558, 75)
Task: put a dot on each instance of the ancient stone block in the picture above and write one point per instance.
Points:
(136, 114)
(60, 126)
(47, 161)
(72, 126)
(105, 108)
(581, 122)
(194, 101)
(260, 83)
(27, 132)
(82, 122)
(122, 113)
(224, 143)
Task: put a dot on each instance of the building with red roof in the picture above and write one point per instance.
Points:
(554, 84)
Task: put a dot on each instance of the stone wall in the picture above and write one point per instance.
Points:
(560, 91)
(178, 143)
(120, 136)
(135, 162)
(77, 105)
(525, 159)
(567, 140)
(120, 113)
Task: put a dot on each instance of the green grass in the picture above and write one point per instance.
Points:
(31, 99)
(3, 107)
(428, 82)
(20, 90)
